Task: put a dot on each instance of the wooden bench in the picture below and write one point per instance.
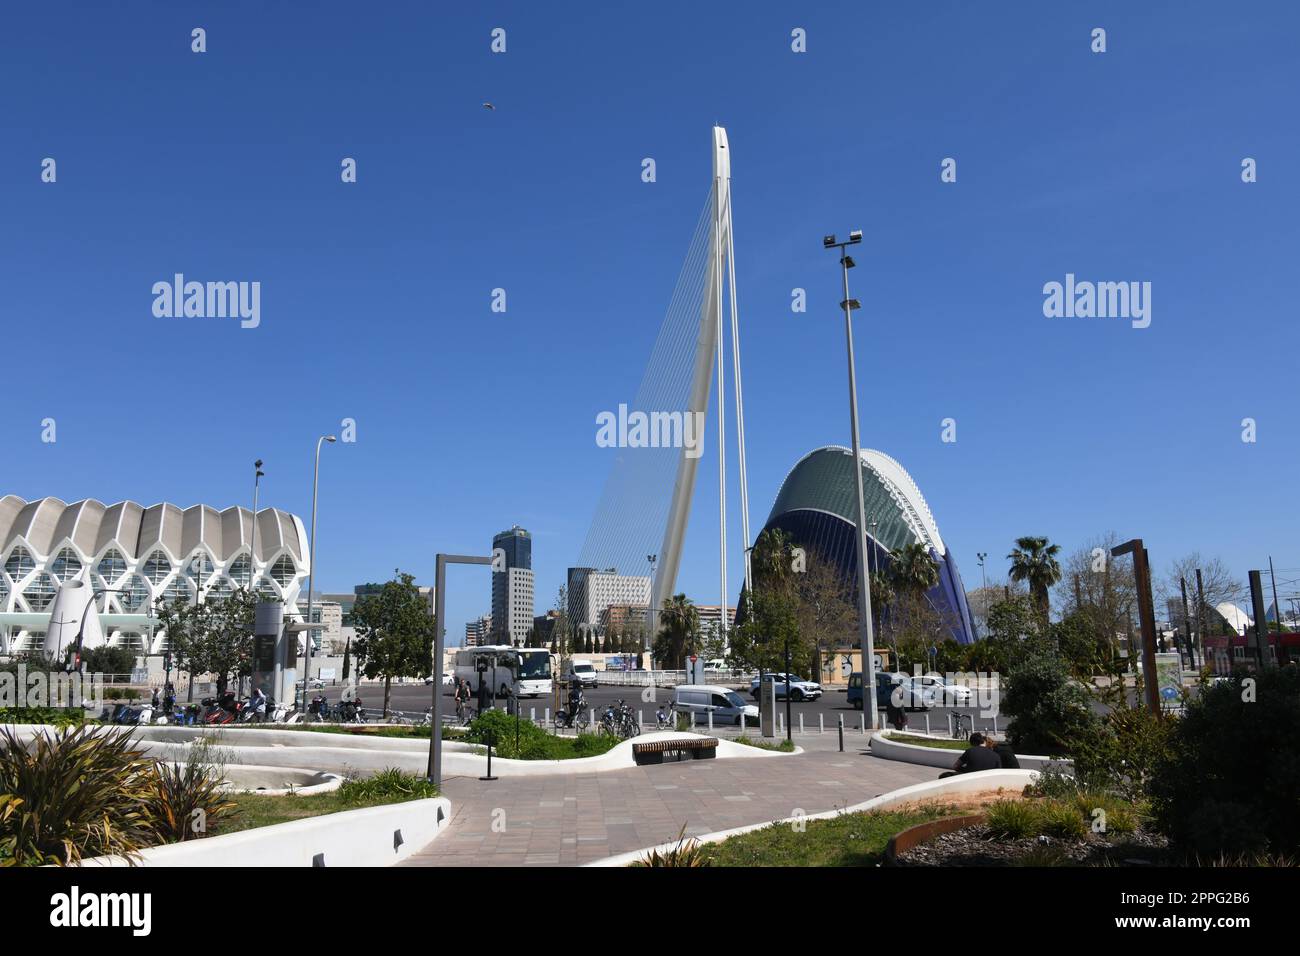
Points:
(652, 751)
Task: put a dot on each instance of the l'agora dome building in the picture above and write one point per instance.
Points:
(817, 507)
(60, 557)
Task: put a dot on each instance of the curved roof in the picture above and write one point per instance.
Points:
(44, 524)
(822, 480)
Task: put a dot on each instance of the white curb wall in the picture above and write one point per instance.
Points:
(374, 836)
(942, 757)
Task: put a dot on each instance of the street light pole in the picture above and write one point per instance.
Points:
(311, 570)
(866, 636)
(647, 645)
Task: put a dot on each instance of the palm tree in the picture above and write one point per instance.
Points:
(679, 623)
(1033, 561)
(912, 569)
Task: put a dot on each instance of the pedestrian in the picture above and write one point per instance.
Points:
(974, 758)
(1006, 755)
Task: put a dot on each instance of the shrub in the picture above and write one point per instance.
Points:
(1121, 755)
(82, 793)
(108, 660)
(57, 716)
(1049, 712)
(186, 799)
(1228, 782)
(1062, 819)
(1121, 819)
(1012, 819)
(389, 784)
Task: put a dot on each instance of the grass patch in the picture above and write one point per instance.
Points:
(940, 743)
(785, 746)
(388, 786)
(850, 839)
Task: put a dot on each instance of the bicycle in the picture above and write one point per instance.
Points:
(962, 726)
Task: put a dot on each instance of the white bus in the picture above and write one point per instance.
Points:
(522, 671)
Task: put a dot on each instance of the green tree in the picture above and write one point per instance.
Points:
(1049, 711)
(1033, 561)
(395, 632)
(215, 637)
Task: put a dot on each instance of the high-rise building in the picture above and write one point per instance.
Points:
(518, 546)
(592, 592)
(512, 587)
(478, 631)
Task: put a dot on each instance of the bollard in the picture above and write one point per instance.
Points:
(821, 723)
(692, 720)
(841, 733)
(532, 714)
(742, 721)
(591, 717)
(640, 721)
(780, 725)
(548, 719)
(927, 723)
(491, 741)
(995, 723)
(801, 723)
(710, 720)
(862, 723)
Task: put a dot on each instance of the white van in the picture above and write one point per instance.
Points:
(723, 702)
(584, 672)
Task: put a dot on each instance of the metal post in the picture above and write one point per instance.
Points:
(439, 640)
(801, 730)
(1200, 615)
(867, 638)
(841, 722)
(927, 723)
(1187, 625)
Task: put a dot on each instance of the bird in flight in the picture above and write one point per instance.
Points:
(488, 106)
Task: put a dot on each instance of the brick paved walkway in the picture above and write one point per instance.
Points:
(567, 819)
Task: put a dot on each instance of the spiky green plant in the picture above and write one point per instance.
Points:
(187, 799)
(75, 793)
(684, 853)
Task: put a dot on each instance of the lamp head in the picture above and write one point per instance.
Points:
(828, 241)
(855, 236)
(330, 438)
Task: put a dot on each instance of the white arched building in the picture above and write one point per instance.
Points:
(127, 555)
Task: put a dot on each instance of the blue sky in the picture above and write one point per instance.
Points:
(375, 296)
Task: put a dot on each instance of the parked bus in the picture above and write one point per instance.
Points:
(522, 671)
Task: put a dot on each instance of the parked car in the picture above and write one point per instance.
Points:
(448, 679)
(726, 705)
(943, 692)
(910, 696)
(796, 686)
(584, 672)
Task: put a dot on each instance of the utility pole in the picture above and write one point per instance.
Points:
(1187, 625)
(1200, 614)
(1146, 617)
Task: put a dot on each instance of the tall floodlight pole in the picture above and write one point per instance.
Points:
(311, 569)
(648, 642)
(865, 633)
(258, 475)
